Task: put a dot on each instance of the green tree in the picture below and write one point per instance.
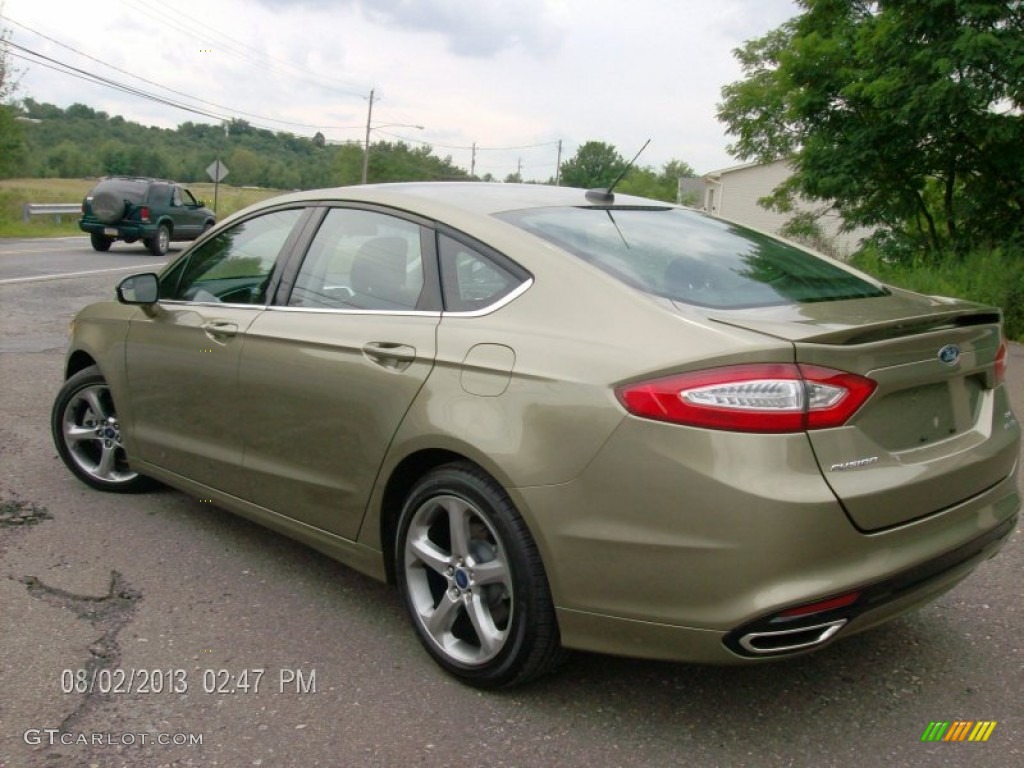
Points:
(646, 182)
(907, 115)
(595, 164)
(12, 142)
(347, 168)
(66, 161)
(114, 156)
(397, 161)
(245, 166)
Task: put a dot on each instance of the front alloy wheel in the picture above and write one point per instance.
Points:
(87, 433)
(473, 581)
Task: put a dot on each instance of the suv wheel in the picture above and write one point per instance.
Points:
(100, 242)
(160, 242)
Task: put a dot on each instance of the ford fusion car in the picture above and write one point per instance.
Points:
(560, 420)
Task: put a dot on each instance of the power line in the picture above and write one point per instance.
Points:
(172, 90)
(196, 31)
(468, 146)
(58, 66)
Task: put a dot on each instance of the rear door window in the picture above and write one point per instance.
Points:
(470, 279)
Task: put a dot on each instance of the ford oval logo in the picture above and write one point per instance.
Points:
(950, 354)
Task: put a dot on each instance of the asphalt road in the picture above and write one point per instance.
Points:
(63, 257)
(195, 601)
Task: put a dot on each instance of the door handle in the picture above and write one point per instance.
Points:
(219, 330)
(386, 354)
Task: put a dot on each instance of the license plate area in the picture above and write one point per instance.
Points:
(110, 231)
(922, 415)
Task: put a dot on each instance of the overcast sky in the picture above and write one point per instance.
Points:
(512, 76)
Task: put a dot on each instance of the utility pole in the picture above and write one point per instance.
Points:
(366, 147)
(519, 169)
(472, 163)
(558, 166)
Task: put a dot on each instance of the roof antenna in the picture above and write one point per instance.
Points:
(605, 195)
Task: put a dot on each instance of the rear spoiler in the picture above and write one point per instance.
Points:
(868, 332)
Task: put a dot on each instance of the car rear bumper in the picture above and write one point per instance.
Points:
(118, 231)
(674, 539)
(615, 635)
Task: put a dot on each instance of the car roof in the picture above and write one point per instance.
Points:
(483, 198)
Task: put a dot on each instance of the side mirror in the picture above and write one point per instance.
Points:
(139, 289)
(200, 203)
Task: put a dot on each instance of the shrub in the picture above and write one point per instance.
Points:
(993, 276)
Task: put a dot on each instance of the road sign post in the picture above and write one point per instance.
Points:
(216, 171)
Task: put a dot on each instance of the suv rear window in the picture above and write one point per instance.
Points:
(691, 258)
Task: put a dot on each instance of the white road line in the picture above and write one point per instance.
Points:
(63, 275)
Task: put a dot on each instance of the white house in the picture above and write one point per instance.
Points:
(732, 193)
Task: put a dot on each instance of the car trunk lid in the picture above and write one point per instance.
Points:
(936, 431)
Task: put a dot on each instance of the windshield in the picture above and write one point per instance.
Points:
(691, 258)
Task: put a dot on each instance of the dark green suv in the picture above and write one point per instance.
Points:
(151, 210)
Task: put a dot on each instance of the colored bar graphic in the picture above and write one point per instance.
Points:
(982, 730)
(958, 730)
(934, 731)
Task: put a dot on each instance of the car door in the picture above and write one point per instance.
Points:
(326, 378)
(188, 215)
(182, 355)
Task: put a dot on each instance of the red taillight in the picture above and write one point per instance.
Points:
(144, 213)
(765, 397)
(1000, 362)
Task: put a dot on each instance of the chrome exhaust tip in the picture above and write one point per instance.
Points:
(788, 640)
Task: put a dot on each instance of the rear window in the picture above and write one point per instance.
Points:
(691, 258)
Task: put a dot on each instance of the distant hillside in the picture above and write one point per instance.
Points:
(80, 141)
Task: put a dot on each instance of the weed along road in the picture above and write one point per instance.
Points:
(156, 629)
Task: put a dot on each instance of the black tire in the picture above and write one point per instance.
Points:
(160, 242)
(88, 435)
(107, 207)
(100, 242)
(479, 602)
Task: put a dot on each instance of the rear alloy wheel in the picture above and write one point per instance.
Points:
(100, 242)
(87, 434)
(160, 242)
(473, 581)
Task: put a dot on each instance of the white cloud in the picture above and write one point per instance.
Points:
(473, 29)
(491, 72)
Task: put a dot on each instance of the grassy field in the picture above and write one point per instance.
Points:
(14, 193)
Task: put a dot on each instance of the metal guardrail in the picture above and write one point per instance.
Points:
(53, 209)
